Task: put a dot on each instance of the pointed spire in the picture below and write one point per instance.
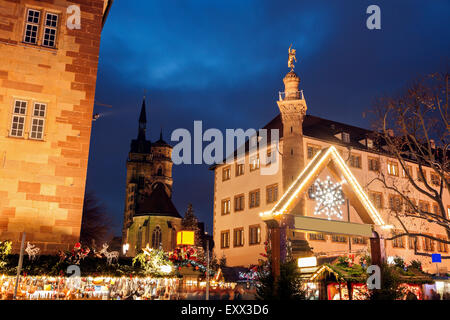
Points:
(160, 135)
(142, 122)
(143, 116)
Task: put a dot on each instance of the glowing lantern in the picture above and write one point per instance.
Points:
(307, 262)
(185, 238)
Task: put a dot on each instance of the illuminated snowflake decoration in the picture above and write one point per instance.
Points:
(329, 198)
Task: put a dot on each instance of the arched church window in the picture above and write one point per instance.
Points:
(156, 238)
(160, 172)
(139, 239)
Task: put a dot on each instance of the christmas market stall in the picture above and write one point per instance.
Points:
(191, 266)
(307, 267)
(89, 288)
(84, 273)
(440, 289)
(236, 282)
(346, 280)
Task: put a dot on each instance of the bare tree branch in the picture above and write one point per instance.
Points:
(414, 128)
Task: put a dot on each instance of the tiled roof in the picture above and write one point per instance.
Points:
(158, 203)
(231, 274)
(161, 143)
(325, 129)
(321, 129)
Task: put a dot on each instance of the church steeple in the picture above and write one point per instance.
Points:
(141, 144)
(142, 122)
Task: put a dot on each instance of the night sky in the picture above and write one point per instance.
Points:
(222, 62)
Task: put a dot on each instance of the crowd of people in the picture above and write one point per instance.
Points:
(238, 293)
(434, 295)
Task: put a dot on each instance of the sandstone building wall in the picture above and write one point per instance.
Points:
(42, 178)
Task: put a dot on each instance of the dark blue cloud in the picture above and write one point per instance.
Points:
(223, 62)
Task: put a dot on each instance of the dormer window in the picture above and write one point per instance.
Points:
(346, 137)
(367, 142)
(343, 136)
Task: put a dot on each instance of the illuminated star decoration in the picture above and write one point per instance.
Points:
(329, 198)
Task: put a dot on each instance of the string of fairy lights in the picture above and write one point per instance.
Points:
(308, 173)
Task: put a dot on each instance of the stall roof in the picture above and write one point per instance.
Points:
(358, 275)
(231, 274)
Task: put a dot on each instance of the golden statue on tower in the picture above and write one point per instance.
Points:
(291, 58)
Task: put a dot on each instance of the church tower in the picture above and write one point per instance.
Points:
(150, 218)
(139, 165)
(292, 107)
(162, 164)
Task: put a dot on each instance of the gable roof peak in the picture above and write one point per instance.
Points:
(327, 157)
